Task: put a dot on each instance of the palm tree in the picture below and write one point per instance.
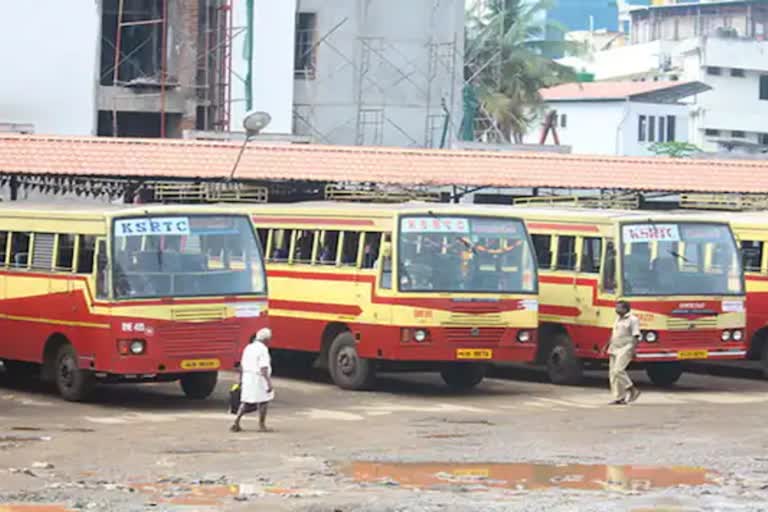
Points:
(507, 63)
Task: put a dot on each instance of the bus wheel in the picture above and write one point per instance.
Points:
(199, 385)
(563, 367)
(664, 374)
(764, 360)
(463, 376)
(73, 383)
(348, 369)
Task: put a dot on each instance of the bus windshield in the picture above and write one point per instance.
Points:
(186, 256)
(465, 254)
(680, 259)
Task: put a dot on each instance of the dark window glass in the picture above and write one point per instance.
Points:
(329, 247)
(752, 256)
(542, 244)
(85, 254)
(566, 253)
(350, 248)
(65, 254)
(20, 250)
(590, 255)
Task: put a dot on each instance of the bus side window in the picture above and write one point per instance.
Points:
(329, 248)
(65, 253)
(3, 248)
(102, 277)
(305, 241)
(752, 256)
(85, 254)
(385, 282)
(371, 249)
(542, 244)
(566, 253)
(591, 252)
(19, 250)
(350, 248)
(281, 244)
(609, 269)
(42, 251)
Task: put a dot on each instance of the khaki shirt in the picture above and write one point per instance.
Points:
(625, 331)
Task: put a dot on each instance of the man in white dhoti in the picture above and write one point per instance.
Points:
(621, 351)
(255, 380)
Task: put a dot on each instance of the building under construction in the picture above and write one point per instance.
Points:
(375, 72)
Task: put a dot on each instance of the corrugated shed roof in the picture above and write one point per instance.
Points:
(108, 157)
(620, 90)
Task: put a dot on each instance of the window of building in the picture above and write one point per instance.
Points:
(714, 71)
(763, 139)
(764, 87)
(662, 129)
(42, 251)
(566, 253)
(651, 129)
(329, 247)
(591, 252)
(738, 134)
(642, 126)
(711, 133)
(738, 73)
(671, 128)
(20, 250)
(542, 244)
(350, 248)
(752, 256)
(563, 120)
(65, 253)
(305, 56)
(85, 254)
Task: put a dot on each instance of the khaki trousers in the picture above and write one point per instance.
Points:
(617, 370)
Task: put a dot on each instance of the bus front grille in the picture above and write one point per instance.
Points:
(480, 334)
(198, 340)
(210, 314)
(686, 324)
(461, 319)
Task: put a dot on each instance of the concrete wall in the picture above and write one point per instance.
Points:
(611, 127)
(49, 50)
(273, 47)
(372, 82)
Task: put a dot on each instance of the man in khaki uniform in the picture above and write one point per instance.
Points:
(621, 351)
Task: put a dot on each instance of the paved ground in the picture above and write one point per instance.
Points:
(513, 444)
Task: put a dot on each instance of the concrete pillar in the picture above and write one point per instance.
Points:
(183, 34)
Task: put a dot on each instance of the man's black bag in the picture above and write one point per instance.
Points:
(234, 399)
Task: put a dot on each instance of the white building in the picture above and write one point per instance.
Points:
(721, 44)
(620, 118)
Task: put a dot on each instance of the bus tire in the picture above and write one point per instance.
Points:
(563, 367)
(664, 375)
(74, 384)
(764, 360)
(463, 376)
(199, 385)
(348, 369)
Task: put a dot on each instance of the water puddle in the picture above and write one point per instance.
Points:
(527, 477)
(38, 429)
(209, 495)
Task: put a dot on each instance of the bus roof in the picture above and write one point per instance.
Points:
(323, 208)
(610, 215)
(85, 209)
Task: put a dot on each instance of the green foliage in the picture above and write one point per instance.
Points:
(506, 62)
(674, 149)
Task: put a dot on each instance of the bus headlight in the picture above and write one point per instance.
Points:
(725, 336)
(651, 337)
(137, 347)
(523, 336)
(420, 335)
(737, 335)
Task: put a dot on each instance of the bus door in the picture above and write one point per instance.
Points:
(590, 268)
(607, 292)
(385, 277)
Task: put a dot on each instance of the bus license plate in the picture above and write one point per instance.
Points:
(693, 354)
(474, 353)
(200, 364)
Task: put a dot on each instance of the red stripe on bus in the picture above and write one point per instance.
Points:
(315, 307)
(548, 309)
(564, 227)
(312, 220)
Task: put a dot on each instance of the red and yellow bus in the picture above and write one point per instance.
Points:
(406, 287)
(681, 273)
(101, 293)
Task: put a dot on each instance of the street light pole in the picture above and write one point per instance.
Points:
(253, 122)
